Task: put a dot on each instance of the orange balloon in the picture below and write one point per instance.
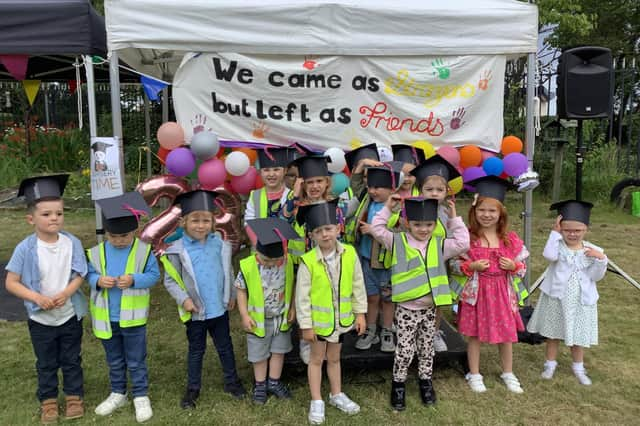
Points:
(511, 144)
(251, 153)
(162, 154)
(470, 156)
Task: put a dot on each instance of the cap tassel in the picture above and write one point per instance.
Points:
(414, 154)
(137, 213)
(220, 205)
(285, 246)
(393, 175)
(268, 154)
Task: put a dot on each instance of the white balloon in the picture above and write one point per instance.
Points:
(385, 153)
(237, 163)
(204, 145)
(338, 162)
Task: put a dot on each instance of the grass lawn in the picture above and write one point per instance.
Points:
(614, 397)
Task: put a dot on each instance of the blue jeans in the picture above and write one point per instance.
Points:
(57, 347)
(218, 329)
(127, 350)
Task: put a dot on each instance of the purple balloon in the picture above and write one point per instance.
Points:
(493, 166)
(515, 164)
(180, 162)
(471, 173)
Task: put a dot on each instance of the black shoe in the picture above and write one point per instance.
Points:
(278, 389)
(397, 396)
(235, 389)
(427, 393)
(189, 398)
(259, 395)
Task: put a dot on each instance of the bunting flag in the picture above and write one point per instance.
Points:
(73, 85)
(16, 65)
(31, 88)
(152, 86)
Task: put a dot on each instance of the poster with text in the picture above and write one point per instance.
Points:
(105, 168)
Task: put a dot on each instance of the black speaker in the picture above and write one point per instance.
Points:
(585, 83)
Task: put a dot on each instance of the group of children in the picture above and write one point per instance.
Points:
(380, 260)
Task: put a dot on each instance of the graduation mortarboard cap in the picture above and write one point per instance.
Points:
(318, 214)
(122, 213)
(421, 209)
(434, 166)
(275, 157)
(368, 151)
(36, 188)
(100, 146)
(272, 234)
(198, 200)
(491, 187)
(386, 176)
(408, 154)
(312, 166)
(580, 211)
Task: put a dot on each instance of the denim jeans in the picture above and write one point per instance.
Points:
(218, 329)
(58, 347)
(127, 350)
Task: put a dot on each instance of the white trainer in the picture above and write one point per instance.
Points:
(582, 377)
(475, 382)
(111, 404)
(439, 345)
(316, 412)
(512, 382)
(143, 408)
(343, 403)
(549, 370)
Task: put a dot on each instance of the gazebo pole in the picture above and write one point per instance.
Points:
(530, 140)
(93, 128)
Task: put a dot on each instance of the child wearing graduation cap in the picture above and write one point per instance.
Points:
(567, 309)
(419, 284)
(199, 276)
(46, 271)
(494, 266)
(432, 176)
(410, 157)
(121, 272)
(330, 301)
(265, 285)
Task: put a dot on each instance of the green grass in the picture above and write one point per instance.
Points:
(613, 365)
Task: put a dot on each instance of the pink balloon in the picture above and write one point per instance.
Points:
(157, 187)
(212, 174)
(170, 135)
(486, 154)
(245, 183)
(450, 154)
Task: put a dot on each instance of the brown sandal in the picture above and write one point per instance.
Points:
(74, 408)
(49, 411)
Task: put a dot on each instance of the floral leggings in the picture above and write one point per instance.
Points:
(416, 330)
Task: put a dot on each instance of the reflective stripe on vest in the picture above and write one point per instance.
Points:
(411, 278)
(134, 304)
(255, 294)
(170, 270)
(322, 311)
(259, 199)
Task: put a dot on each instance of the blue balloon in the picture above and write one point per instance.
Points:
(339, 183)
(493, 166)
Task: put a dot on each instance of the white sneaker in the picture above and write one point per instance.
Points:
(143, 408)
(316, 412)
(344, 404)
(582, 377)
(512, 383)
(475, 382)
(386, 337)
(439, 345)
(111, 404)
(548, 371)
(369, 338)
(305, 351)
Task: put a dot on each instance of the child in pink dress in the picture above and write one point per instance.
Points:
(489, 301)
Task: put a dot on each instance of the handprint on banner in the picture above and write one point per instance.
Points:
(309, 63)
(260, 130)
(485, 77)
(442, 69)
(456, 121)
(198, 122)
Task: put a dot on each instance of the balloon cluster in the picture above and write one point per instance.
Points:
(203, 156)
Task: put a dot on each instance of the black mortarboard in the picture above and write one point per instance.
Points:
(434, 166)
(580, 211)
(387, 176)
(408, 154)
(122, 213)
(420, 208)
(198, 200)
(312, 166)
(298, 150)
(100, 146)
(272, 233)
(318, 214)
(275, 157)
(35, 188)
(368, 151)
(491, 186)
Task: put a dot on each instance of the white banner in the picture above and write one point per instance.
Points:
(105, 168)
(343, 101)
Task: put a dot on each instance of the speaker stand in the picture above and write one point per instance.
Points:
(580, 151)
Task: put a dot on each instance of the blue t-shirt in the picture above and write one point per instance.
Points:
(206, 259)
(364, 248)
